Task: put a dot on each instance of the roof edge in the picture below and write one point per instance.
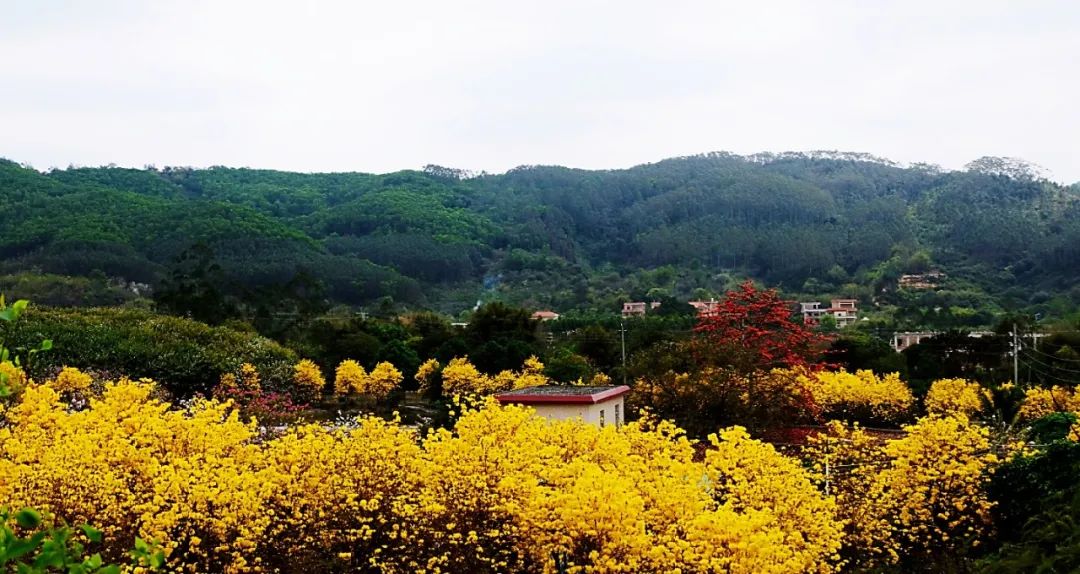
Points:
(564, 399)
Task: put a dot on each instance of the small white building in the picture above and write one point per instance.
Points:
(600, 406)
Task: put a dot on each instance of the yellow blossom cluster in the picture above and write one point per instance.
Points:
(460, 377)
(861, 395)
(959, 397)
(597, 380)
(12, 378)
(70, 380)
(247, 380)
(936, 481)
(227, 383)
(308, 378)
(427, 374)
(503, 491)
(1039, 402)
(351, 378)
(845, 462)
(920, 495)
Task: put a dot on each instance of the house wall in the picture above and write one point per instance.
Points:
(587, 413)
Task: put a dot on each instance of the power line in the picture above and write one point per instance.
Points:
(1054, 357)
(1054, 377)
(1053, 367)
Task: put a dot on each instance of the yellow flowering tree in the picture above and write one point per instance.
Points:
(845, 462)
(427, 376)
(308, 378)
(343, 498)
(957, 397)
(921, 497)
(860, 396)
(460, 377)
(349, 378)
(1040, 401)
(751, 477)
(504, 490)
(936, 486)
(701, 400)
(531, 374)
(509, 489)
(383, 379)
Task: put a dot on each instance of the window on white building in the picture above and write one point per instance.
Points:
(601, 418)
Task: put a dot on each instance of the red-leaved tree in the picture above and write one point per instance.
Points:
(754, 329)
(737, 370)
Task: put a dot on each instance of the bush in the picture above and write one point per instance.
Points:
(28, 546)
(185, 356)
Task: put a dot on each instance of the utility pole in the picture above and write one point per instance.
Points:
(622, 335)
(1016, 356)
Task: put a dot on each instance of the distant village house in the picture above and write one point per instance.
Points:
(705, 307)
(905, 339)
(845, 311)
(928, 280)
(901, 341)
(638, 308)
(545, 315)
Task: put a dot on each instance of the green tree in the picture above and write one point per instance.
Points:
(501, 337)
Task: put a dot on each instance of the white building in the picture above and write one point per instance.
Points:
(845, 311)
(600, 406)
(903, 339)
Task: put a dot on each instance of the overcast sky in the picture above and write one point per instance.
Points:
(382, 86)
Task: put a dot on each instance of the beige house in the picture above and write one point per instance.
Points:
(901, 341)
(705, 307)
(600, 406)
(638, 308)
(545, 315)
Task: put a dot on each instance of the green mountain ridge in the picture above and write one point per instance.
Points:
(814, 224)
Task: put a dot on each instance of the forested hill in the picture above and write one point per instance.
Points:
(814, 224)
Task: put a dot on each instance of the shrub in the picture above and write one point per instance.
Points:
(29, 546)
(71, 379)
(308, 379)
(349, 378)
(383, 379)
(185, 356)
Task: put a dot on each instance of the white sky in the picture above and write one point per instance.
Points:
(382, 86)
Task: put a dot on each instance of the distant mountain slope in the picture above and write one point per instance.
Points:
(545, 235)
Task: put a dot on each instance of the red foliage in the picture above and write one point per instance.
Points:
(753, 329)
(269, 408)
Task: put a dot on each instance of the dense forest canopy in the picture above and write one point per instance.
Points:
(815, 224)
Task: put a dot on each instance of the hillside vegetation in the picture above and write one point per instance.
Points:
(814, 224)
